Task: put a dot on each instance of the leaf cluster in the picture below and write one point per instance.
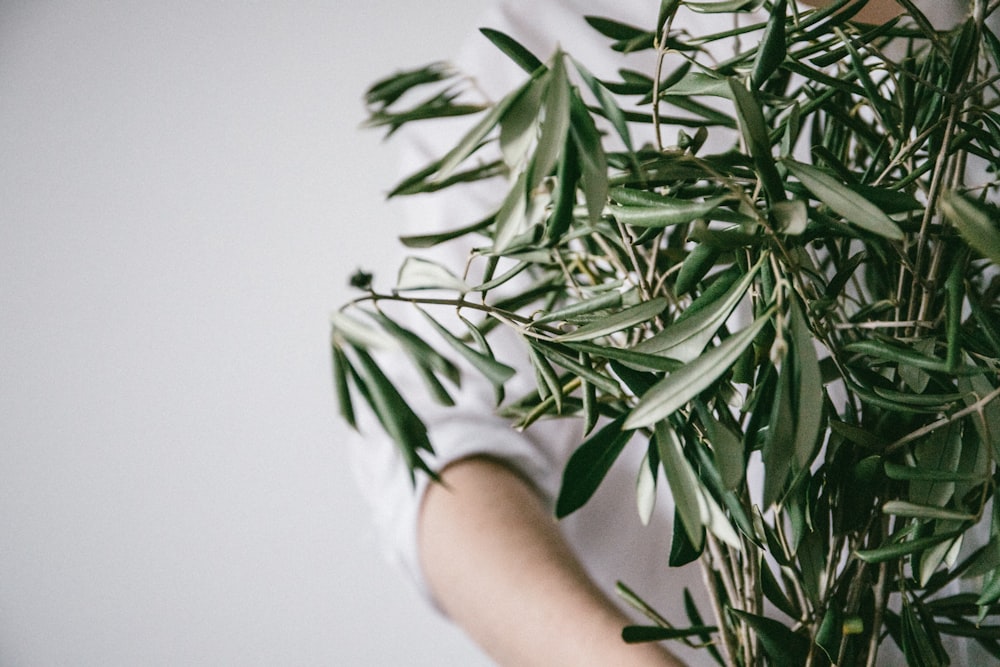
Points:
(791, 303)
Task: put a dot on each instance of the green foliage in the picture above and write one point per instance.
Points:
(819, 302)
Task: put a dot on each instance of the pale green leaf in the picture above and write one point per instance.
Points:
(843, 200)
(974, 223)
(686, 339)
(555, 123)
(417, 273)
(645, 491)
(669, 211)
(674, 391)
(791, 216)
(609, 299)
(496, 372)
(362, 334)
(908, 509)
(623, 319)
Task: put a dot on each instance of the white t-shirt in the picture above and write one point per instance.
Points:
(606, 533)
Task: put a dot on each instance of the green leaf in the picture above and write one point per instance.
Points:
(609, 106)
(975, 223)
(686, 340)
(784, 647)
(559, 355)
(843, 200)
(921, 645)
(555, 123)
(808, 402)
(729, 453)
(900, 355)
(549, 384)
(907, 473)
(519, 126)
(609, 299)
(342, 389)
(623, 319)
(395, 415)
(668, 211)
(385, 92)
(430, 240)
(987, 419)
(593, 160)
(588, 466)
(417, 273)
(423, 355)
(345, 328)
(630, 358)
(757, 137)
(696, 265)
(667, 10)
(894, 550)
(695, 505)
(771, 52)
(792, 216)
(561, 215)
(474, 137)
(908, 509)
(645, 489)
(778, 449)
(614, 29)
(675, 390)
(830, 633)
(496, 372)
(634, 634)
(682, 551)
(514, 50)
(723, 6)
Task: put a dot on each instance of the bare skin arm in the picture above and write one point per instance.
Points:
(498, 566)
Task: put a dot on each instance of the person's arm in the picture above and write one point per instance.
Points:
(498, 566)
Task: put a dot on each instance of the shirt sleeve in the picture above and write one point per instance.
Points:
(471, 428)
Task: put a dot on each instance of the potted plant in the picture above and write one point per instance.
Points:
(804, 328)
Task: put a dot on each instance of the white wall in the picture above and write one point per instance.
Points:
(183, 193)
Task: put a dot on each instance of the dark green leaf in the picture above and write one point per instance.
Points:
(588, 465)
(757, 138)
(784, 647)
(341, 387)
(771, 52)
(513, 49)
(634, 634)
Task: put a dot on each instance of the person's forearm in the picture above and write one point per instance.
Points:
(497, 565)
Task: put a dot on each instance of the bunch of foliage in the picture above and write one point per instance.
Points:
(804, 328)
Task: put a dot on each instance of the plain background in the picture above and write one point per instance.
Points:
(183, 195)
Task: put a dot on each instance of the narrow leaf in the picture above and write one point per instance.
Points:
(686, 340)
(496, 372)
(419, 274)
(588, 466)
(634, 634)
(623, 319)
(843, 200)
(524, 58)
(674, 391)
(974, 223)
